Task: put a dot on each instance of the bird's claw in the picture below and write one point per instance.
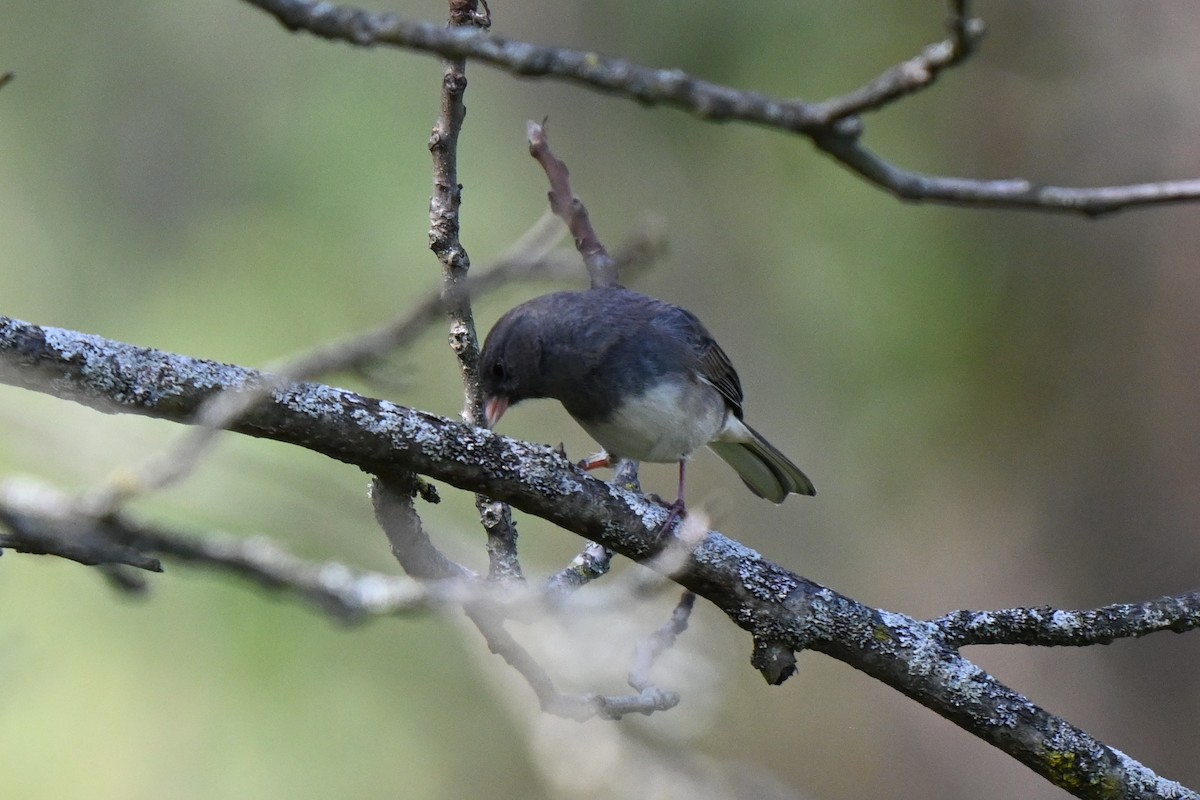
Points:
(675, 511)
(596, 461)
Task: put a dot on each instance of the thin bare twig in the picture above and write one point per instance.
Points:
(495, 517)
(47, 521)
(660, 642)
(617, 76)
(601, 267)
(844, 145)
(592, 563)
(913, 75)
(444, 218)
(831, 124)
(602, 270)
(42, 522)
(392, 497)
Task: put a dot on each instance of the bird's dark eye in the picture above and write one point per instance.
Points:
(498, 370)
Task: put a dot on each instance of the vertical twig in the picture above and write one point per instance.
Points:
(445, 243)
(658, 643)
(603, 271)
(595, 560)
(392, 498)
(965, 31)
(444, 219)
(601, 267)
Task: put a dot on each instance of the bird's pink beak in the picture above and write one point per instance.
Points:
(494, 408)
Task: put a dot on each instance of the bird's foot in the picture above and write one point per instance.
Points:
(675, 511)
(596, 461)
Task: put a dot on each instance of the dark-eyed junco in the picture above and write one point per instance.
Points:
(643, 377)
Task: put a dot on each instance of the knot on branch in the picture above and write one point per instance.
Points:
(775, 661)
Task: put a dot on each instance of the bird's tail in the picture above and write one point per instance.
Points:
(765, 471)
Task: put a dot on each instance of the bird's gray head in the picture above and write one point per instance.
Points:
(509, 367)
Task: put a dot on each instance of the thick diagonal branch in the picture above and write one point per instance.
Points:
(773, 604)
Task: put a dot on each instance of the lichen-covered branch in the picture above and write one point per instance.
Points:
(444, 218)
(1056, 627)
(771, 603)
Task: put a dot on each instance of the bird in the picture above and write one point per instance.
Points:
(641, 376)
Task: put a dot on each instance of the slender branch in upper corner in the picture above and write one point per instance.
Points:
(913, 75)
(832, 125)
(617, 76)
(843, 144)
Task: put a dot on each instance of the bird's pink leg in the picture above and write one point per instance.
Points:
(674, 510)
(677, 509)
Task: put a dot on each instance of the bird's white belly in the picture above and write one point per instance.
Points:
(665, 424)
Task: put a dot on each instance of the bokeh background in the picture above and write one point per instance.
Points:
(998, 408)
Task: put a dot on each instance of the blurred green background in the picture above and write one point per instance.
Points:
(998, 408)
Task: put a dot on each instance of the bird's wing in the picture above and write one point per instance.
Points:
(711, 362)
(717, 370)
